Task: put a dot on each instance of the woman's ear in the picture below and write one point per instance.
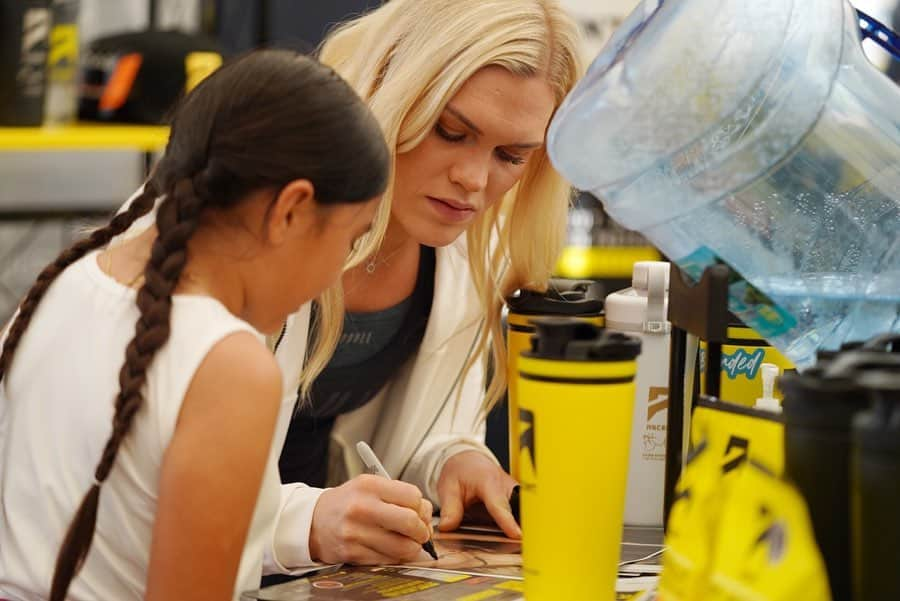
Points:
(294, 207)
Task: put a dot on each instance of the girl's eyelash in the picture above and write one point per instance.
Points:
(504, 156)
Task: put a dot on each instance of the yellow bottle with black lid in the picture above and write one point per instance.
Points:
(576, 399)
(563, 298)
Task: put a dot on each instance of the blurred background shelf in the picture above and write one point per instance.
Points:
(84, 136)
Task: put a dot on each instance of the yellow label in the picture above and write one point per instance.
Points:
(485, 594)
(734, 437)
(198, 65)
(511, 585)
(62, 58)
(518, 340)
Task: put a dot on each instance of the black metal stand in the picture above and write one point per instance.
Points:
(702, 310)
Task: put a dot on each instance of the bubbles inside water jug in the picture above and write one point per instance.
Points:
(790, 173)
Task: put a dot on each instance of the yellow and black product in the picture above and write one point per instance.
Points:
(61, 104)
(736, 434)
(24, 41)
(565, 298)
(576, 398)
(692, 522)
(764, 547)
(743, 352)
(740, 536)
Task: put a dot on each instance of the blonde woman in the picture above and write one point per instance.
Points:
(464, 92)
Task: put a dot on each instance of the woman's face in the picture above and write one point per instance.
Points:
(476, 152)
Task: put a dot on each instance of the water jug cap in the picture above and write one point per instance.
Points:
(563, 297)
(570, 339)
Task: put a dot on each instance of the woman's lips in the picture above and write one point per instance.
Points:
(451, 210)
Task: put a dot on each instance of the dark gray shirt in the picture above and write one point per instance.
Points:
(373, 346)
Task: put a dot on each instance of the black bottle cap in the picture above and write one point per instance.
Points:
(570, 339)
(563, 297)
(887, 343)
(829, 394)
(827, 355)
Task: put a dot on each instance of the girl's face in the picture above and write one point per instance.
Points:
(476, 152)
(306, 253)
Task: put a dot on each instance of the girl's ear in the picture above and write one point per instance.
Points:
(294, 207)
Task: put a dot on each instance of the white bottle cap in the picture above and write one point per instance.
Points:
(644, 306)
(767, 401)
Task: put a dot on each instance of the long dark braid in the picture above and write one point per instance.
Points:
(176, 220)
(140, 206)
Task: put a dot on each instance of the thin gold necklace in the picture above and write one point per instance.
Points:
(374, 262)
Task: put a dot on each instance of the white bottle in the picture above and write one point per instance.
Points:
(641, 311)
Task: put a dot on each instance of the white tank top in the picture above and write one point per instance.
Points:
(56, 408)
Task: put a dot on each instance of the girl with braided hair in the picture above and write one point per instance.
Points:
(272, 172)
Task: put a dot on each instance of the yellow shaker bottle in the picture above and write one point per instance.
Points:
(573, 298)
(576, 399)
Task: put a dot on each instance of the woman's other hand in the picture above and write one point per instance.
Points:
(469, 477)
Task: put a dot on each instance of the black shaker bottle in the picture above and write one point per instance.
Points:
(818, 409)
(875, 490)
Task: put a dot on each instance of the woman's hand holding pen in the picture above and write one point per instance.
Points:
(469, 477)
(370, 520)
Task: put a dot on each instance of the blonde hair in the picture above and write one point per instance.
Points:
(407, 59)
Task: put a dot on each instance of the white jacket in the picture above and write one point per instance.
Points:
(426, 413)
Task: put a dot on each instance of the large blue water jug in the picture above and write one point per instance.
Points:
(755, 134)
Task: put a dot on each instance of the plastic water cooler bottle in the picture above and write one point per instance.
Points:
(755, 134)
(641, 311)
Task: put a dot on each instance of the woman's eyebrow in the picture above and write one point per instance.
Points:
(468, 123)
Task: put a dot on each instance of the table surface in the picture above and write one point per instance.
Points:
(489, 556)
(84, 136)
